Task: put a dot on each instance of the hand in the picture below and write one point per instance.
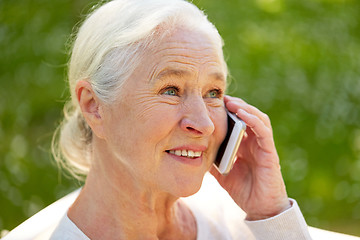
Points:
(255, 183)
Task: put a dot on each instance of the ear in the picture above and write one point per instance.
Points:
(90, 107)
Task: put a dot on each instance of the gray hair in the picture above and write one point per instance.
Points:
(108, 47)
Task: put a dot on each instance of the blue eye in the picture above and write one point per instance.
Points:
(171, 91)
(215, 93)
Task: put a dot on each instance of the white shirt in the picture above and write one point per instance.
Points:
(219, 218)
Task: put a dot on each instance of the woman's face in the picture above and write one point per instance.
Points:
(169, 120)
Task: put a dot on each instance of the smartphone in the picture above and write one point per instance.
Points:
(226, 155)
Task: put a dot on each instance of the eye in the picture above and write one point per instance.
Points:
(171, 91)
(215, 93)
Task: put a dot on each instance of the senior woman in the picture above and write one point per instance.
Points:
(147, 116)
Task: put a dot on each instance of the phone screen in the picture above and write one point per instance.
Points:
(220, 154)
(226, 155)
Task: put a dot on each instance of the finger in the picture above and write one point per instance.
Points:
(218, 176)
(263, 134)
(228, 98)
(233, 104)
(215, 172)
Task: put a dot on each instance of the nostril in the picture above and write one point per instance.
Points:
(191, 129)
(197, 125)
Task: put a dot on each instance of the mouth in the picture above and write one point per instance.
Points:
(185, 153)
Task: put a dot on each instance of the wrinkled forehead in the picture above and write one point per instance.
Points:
(185, 51)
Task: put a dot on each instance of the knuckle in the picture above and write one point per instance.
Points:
(266, 118)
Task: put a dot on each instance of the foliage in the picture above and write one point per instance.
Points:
(298, 61)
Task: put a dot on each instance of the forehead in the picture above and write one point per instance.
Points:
(184, 53)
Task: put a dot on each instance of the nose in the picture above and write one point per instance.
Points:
(196, 119)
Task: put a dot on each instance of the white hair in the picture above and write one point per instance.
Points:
(108, 47)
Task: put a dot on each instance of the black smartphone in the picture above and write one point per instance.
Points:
(226, 155)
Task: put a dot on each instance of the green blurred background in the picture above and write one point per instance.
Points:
(298, 61)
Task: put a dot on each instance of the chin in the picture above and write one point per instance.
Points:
(188, 186)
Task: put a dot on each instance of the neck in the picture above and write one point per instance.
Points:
(119, 207)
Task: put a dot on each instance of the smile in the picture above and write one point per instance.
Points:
(185, 153)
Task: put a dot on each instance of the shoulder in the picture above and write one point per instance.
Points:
(43, 223)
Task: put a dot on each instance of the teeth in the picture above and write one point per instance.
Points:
(190, 153)
(197, 154)
(186, 153)
(178, 152)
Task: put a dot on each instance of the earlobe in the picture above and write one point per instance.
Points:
(90, 106)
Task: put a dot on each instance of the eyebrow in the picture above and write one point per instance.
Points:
(178, 73)
(218, 76)
(170, 72)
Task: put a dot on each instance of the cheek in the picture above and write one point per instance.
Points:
(149, 110)
(155, 118)
(220, 121)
